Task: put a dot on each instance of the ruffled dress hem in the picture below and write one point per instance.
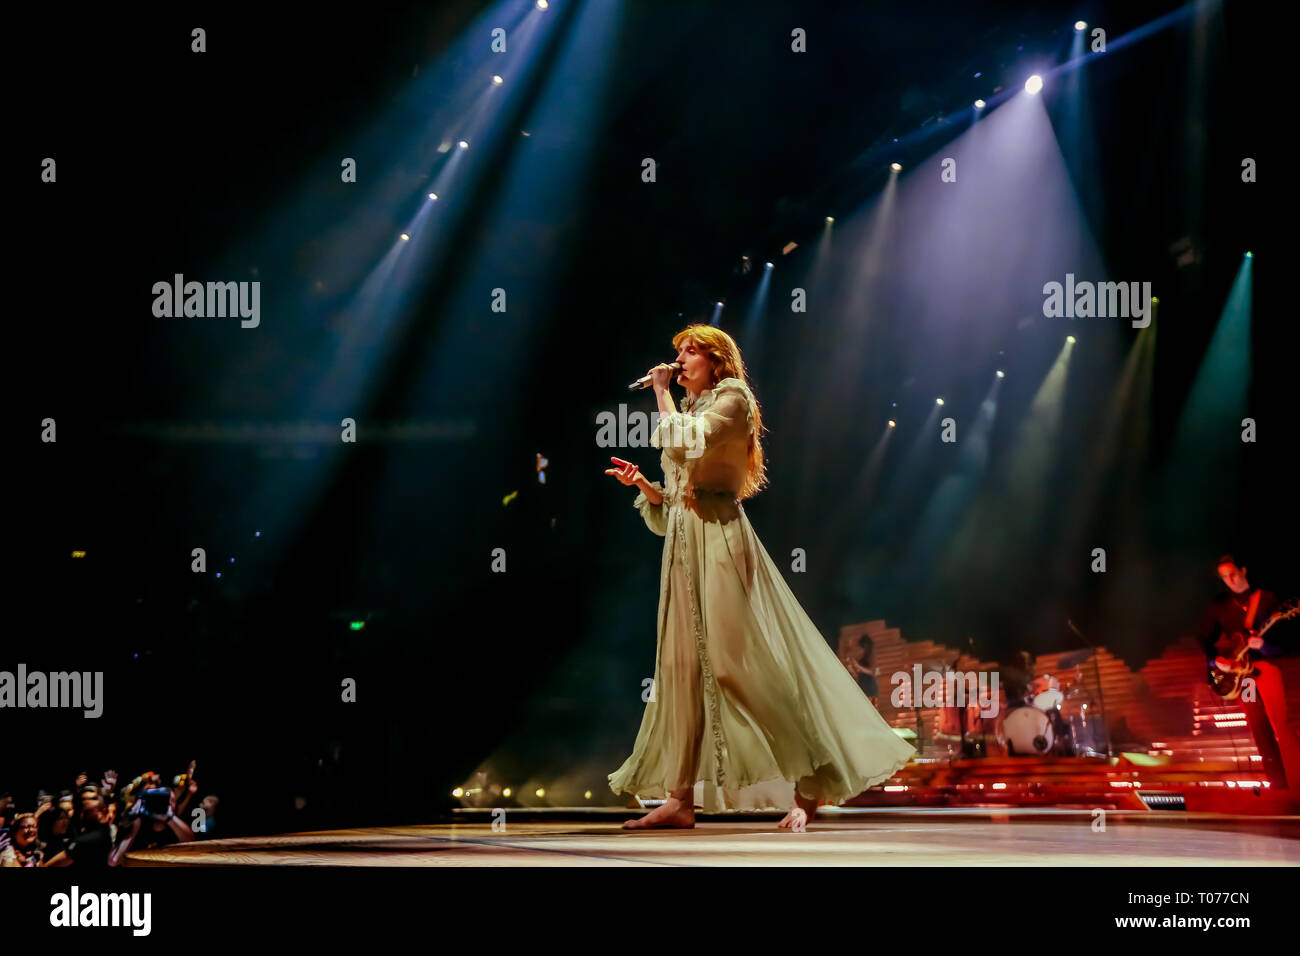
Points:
(661, 792)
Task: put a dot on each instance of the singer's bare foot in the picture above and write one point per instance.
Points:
(801, 814)
(672, 814)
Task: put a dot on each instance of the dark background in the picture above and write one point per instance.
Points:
(175, 162)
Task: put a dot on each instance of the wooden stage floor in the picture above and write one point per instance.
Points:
(843, 837)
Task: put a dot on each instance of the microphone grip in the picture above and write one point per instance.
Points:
(645, 380)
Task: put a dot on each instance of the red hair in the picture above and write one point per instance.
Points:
(723, 355)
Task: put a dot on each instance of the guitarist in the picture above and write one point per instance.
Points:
(1230, 616)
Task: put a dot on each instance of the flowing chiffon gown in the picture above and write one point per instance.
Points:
(749, 701)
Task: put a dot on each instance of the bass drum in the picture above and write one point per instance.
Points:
(1028, 732)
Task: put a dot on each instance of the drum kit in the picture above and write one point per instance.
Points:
(1034, 721)
(1036, 725)
(1033, 725)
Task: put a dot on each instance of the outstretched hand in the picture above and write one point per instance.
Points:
(626, 472)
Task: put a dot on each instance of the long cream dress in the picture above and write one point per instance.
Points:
(748, 698)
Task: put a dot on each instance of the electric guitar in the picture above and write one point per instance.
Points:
(1233, 646)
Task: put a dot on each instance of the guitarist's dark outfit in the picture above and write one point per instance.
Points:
(1276, 741)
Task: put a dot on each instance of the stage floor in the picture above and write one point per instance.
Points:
(845, 837)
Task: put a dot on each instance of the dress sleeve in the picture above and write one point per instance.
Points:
(685, 437)
(654, 516)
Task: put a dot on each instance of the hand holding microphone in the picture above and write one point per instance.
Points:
(659, 376)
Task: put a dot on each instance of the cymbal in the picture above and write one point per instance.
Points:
(1075, 658)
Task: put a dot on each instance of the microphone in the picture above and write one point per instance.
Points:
(645, 380)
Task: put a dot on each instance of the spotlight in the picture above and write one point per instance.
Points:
(938, 401)
(1033, 84)
(587, 794)
(497, 80)
(893, 424)
(767, 265)
(525, 132)
(405, 237)
(1080, 26)
(1250, 255)
(895, 167)
(463, 145)
(1069, 339)
(542, 4)
(980, 104)
(1001, 374)
(433, 196)
(541, 792)
(718, 304)
(830, 219)
(506, 792)
(458, 792)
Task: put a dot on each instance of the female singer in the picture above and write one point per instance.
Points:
(750, 706)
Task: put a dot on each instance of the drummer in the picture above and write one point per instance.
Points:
(1017, 675)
